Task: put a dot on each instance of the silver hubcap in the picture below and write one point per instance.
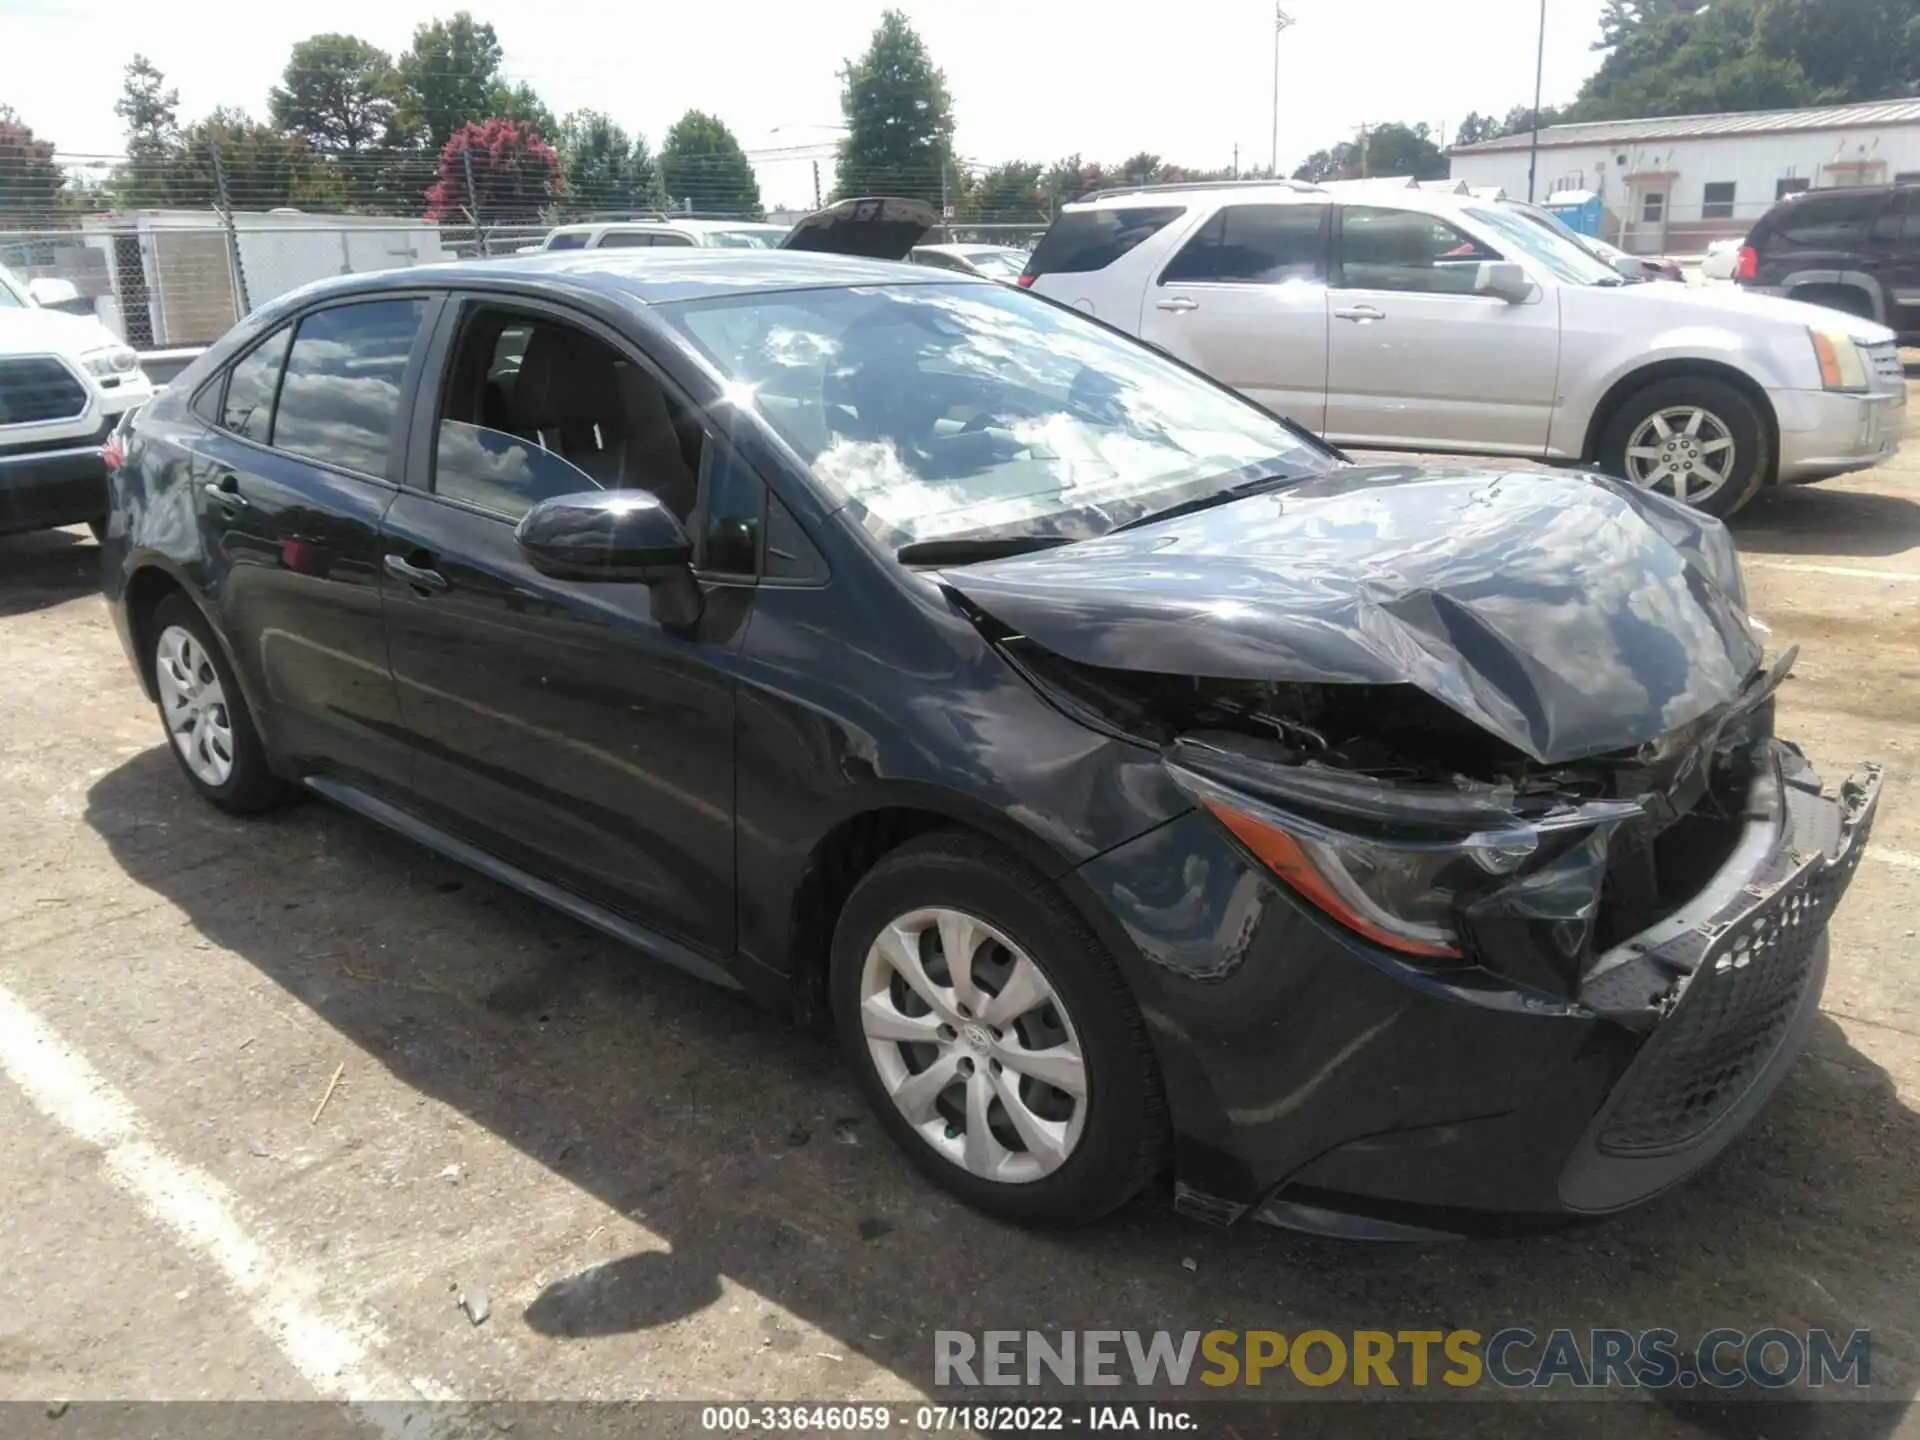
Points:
(1683, 451)
(974, 1046)
(194, 705)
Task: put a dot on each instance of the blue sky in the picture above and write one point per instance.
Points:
(1030, 80)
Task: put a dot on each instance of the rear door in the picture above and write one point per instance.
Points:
(290, 480)
(1415, 359)
(558, 724)
(1245, 300)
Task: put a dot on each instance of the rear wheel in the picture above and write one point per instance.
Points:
(1694, 439)
(993, 1037)
(208, 726)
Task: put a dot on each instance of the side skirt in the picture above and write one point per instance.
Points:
(455, 849)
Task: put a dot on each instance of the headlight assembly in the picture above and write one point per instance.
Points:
(111, 361)
(1842, 366)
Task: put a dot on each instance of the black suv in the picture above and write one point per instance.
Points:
(1856, 250)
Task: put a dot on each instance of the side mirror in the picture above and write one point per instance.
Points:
(1630, 267)
(1503, 280)
(615, 536)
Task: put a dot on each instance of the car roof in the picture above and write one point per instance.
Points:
(1246, 192)
(646, 277)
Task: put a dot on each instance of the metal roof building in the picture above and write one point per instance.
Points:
(1677, 182)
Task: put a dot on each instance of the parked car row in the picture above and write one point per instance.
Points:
(1131, 781)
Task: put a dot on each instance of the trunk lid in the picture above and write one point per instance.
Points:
(876, 228)
(1568, 614)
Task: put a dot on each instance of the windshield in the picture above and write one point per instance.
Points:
(936, 411)
(757, 237)
(1562, 259)
(998, 264)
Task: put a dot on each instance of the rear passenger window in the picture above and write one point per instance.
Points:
(1829, 222)
(1255, 245)
(1084, 240)
(671, 237)
(341, 395)
(248, 409)
(624, 240)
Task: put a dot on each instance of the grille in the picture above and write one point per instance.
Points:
(1730, 1021)
(37, 389)
(1886, 364)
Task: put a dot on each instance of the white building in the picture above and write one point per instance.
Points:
(1677, 184)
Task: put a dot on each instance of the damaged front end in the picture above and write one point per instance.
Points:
(1410, 826)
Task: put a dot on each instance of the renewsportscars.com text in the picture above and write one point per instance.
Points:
(1514, 1357)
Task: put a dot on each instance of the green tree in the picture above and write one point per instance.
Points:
(899, 137)
(151, 110)
(32, 186)
(449, 76)
(521, 104)
(1392, 149)
(1007, 194)
(264, 166)
(702, 167)
(604, 169)
(339, 94)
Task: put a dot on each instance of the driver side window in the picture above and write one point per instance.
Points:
(1384, 249)
(535, 408)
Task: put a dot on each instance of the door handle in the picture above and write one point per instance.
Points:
(1361, 313)
(1176, 303)
(421, 577)
(226, 490)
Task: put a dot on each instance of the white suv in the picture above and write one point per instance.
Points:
(666, 231)
(65, 380)
(1416, 320)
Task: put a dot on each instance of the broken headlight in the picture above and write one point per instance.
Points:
(1378, 875)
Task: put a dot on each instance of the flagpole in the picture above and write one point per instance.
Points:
(1281, 20)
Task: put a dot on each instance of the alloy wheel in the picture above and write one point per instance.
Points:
(974, 1045)
(194, 705)
(1682, 451)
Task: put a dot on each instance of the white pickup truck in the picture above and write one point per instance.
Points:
(65, 380)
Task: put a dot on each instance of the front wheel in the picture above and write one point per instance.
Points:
(993, 1037)
(1692, 438)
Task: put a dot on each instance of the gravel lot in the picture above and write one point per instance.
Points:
(651, 1190)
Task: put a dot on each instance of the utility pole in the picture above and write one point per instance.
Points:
(816, 184)
(1236, 159)
(1281, 20)
(1539, 71)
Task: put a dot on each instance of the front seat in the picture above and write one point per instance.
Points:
(567, 402)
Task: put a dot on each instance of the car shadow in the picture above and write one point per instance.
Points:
(744, 1147)
(46, 568)
(1816, 520)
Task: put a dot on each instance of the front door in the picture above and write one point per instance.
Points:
(290, 480)
(558, 724)
(1246, 301)
(1415, 359)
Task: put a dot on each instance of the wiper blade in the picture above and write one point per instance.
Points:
(969, 550)
(1257, 486)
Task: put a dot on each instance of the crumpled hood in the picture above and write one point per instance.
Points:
(1568, 614)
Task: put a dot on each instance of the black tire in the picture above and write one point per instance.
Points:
(1124, 1134)
(251, 785)
(1739, 416)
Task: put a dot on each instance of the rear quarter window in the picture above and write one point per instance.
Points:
(1826, 222)
(1084, 240)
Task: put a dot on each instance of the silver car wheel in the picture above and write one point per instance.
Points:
(974, 1045)
(194, 704)
(1682, 451)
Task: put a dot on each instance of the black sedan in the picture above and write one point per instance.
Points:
(1133, 783)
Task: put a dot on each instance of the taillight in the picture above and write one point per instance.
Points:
(1025, 282)
(1748, 264)
(114, 452)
